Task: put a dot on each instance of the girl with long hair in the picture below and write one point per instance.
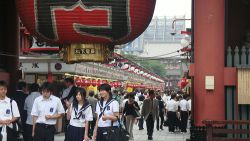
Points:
(79, 114)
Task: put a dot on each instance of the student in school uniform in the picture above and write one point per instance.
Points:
(172, 108)
(45, 112)
(107, 110)
(184, 107)
(79, 114)
(9, 112)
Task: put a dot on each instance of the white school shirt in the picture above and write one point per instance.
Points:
(42, 107)
(66, 93)
(172, 105)
(189, 105)
(5, 110)
(85, 115)
(184, 105)
(112, 108)
(29, 101)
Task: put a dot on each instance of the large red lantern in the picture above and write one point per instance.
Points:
(105, 22)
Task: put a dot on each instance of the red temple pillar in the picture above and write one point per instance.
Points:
(209, 17)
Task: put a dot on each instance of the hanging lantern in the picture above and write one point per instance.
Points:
(132, 68)
(77, 81)
(99, 82)
(111, 84)
(87, 82)
(83, 82)
(115, 84)
(104, 81)
(125, 66)
(183, 83)
(136, 70)
(99, 24)
(119, 84)
(129, 85)
(141, 72)
(94, 83)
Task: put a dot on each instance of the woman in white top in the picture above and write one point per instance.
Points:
(107, 110)
(79, 114)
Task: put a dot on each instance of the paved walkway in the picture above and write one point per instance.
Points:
(141, 135)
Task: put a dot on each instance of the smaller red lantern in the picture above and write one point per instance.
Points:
(94, 83)
(115, 84)
(119, 84)
(77, 81)
(99, 82)
(129, 85)
(104, 81)
(87, 82)
(83, 82)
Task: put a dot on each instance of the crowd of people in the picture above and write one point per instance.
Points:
(35, 110)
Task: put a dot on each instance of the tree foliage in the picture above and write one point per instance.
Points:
(154, 66)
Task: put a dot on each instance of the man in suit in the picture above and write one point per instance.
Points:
(150, 112)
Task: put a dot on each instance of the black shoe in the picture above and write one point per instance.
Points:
(150, 138)
(141, 128)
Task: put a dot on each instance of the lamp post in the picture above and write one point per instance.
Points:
(173, 25)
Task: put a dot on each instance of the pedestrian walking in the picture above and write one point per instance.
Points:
(141, 120)
(93, 101)
(184, 108)
(45, 111)
(9, 113)
(107, 110)
(29, 101)
(19, 96)
(150, 112)
(159, 124)
(131, 111)
(172, 107)
(79, 114)
(68, 96)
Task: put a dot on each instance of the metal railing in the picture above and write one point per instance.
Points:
(217, 131)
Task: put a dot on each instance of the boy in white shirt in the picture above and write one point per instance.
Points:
(45, 111)
(9, 112)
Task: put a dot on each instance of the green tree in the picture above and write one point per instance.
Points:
(154, 66)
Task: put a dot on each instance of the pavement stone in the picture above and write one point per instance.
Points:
(141, 135)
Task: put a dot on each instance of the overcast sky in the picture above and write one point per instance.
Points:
(173, 7)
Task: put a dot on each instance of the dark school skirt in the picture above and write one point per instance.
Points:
(75, 133)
